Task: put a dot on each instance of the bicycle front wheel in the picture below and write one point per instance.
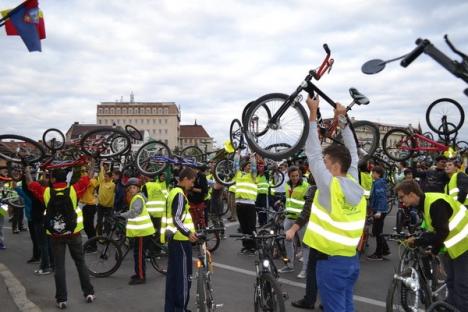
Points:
(270, 294)
(17, 148)
(398, 144)
(368, 137)
(148, 158)
(224, 172)
(102, 256)
(236, 134)
(445, 109)
(159, 258)
(105, 142)
(194, 153)
(53, 139)
(291, 128)
(204, 300)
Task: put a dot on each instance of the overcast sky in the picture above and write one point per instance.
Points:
(213, 57)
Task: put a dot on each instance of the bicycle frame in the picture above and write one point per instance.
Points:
(435, 146)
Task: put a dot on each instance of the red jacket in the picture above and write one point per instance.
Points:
(38, 190)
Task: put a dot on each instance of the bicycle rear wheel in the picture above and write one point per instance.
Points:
(102, 256)
(147, 158)
(368, 138)
(224, 172)
(276, 178)
(194, 153)
(17, 148)
(159, 257)
(53, 139)
(398, 144)
(134, 133)
(448, 108)
(105, 142)
(236, 134)
(291, 128)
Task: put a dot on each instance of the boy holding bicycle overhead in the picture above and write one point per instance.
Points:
(337, 215)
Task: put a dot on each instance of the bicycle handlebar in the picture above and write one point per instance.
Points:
(410, 57)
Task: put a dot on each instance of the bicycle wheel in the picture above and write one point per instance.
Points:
(278, 148)
(105, 142)
(15, 171)
(368, 137)
(147, 160)
(102, 256)
(276, 178)
(53, 139)
(244, 119)
(202, 292)
(447, 109)
(462, 147)
(400, 216)
(17, 148)
(447, 138)
(213, 240)
(194, 153)
(134, 133)
(224, 172)
(235, 134)
(291, 128)
(271, 295)
(159, 257)
(398, 144)
(442, 306)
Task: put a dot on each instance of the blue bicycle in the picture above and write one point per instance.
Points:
(153, 157)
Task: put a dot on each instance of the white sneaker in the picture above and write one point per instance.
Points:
(90, 298)
(286, 269)
(302, 275)
(301, 259)
(62, 305)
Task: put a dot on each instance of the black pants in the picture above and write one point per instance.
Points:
(139, 247)
(260, 205)
(43, 240)
(377, 228)
(17, 220)
(311, 278)
(178, 279)
(247, 216)
(75, 246)
(102, 214)
(36, 250)
(89, 211)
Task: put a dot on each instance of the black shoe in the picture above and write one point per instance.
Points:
(137, 281)
(386, 253)
(302, 304)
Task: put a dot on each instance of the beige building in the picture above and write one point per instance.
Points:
(195, 135)
(159, 119)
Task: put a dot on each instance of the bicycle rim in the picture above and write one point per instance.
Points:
(201, 292)
(368, 137)
(146, 158)
(398, 144)
(105, 142)
(451, 109)
(107, 258)
(194, 153)
(291, 128)
(224, 172)
(236, 134)
(213, 241)
(53, 139)
(17, 148)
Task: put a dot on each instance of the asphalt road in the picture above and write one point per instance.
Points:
(233, 281)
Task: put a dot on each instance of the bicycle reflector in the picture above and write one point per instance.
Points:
(199, 264)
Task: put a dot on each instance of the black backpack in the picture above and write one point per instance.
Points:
(60, 213)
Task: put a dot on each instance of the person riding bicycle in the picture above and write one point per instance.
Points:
(139, 227)
(457, 187)
(447, 224)
(338, 213)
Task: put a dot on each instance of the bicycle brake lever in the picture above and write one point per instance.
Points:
(452, 47)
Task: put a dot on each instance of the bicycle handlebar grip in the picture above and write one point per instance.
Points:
(236, 235)
(410, 57)
(326, 48)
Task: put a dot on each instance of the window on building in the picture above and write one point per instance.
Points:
(147, 121)
(99, 121)
(130, 111)
(148, 110)
(160, 121)
(154, 111)
(165, 131)
(142, 121)
(165, 121)
(160, 131)
(118, 111)
(124, 111)
(106, 111)
(100, 110)
(165, 141)
(166, 111)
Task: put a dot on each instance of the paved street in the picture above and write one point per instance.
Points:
(233, 281)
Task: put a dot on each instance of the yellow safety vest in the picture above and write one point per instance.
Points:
(167, 222)
(141, 225)
(335, 233)
(262, 185)
(366, 183)
(3, 210)
(246, 188)
(209, 177)
(457, 240)
(452, 188)
(295, 200)
(156, 203)
(74, 199)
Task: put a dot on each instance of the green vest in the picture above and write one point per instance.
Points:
(452, 188)
(74, 199)
(3, 210)
(335, 233)
(209, 178)
(167, 222)
(457, 240)
(246, 186)
(156, 203)
(262, 185)
(366, 182)
(295, 199)
(232, 188)
(141, 225)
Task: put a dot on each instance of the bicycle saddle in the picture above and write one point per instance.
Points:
(358, 97)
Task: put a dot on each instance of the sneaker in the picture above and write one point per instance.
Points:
(43, 271)
(286, 269)
(374, 257)
(137, 281)
(16, 231)
(302, 304)
(62, 305)
(90, 298)
(301, 259)
(2, 246)
(33, 260)
(302, 274)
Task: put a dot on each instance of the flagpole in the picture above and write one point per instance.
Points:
(3, 19)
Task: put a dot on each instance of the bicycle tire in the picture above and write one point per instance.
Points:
(271, 293)
(107, 250)
(213, 242)
(143, 156)
(56, 144)
(442, 306)
(109, 146)
(399, 221)
(133, 133)
(16, 202)
(462, 146)
(159, 259)
(193, 153)
(13, 147)
(275, 134)
(278, 178)
(367, 145)
(454, 106)
(395, 152)
(224, 172)
(448, 138)
(15, 171)
(236, 134)
(201, 295)
(244, 114)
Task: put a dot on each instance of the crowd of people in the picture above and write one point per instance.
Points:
(326, 200)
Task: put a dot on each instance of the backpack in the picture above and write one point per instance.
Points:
(61, 218)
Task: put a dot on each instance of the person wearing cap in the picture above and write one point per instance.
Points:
(457, 187)
(139, 227)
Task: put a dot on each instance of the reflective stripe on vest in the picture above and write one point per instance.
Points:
(452, 188)
(74, 199)
(246, 188)
(156, 203)
(262, 185)
(141, 225)
(335, 233)
(457, 240)
(295, 200)
(167, 222)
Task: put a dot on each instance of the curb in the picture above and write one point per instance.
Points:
(17, 291)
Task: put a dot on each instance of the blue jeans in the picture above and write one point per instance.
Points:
(336, 277)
